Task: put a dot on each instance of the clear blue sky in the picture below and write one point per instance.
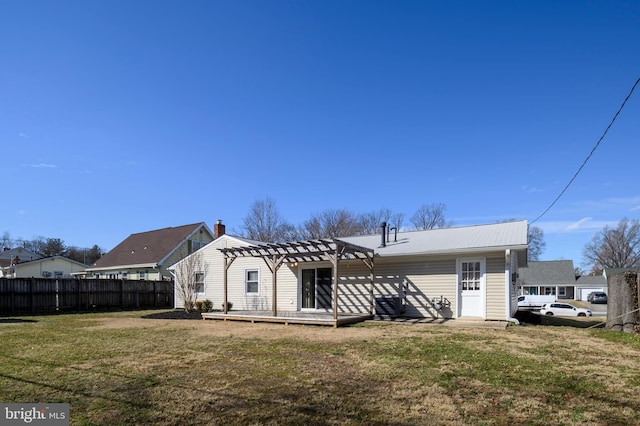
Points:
(119, 117)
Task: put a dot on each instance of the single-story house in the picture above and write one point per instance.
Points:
(147, 255)
(458, 272)
(47, 267)
(558, 278)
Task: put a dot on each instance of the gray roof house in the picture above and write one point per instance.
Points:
(447, 273)
(557, 277)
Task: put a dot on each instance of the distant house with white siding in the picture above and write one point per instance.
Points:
(47, 267)
(557, 278)
(458, 272)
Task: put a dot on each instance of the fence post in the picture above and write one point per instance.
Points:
(13, 296)
(33, 297)
(155, 295)
(78, 295)
(138, 295)
(122, 294)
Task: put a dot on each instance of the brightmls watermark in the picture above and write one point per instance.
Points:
(34, 414)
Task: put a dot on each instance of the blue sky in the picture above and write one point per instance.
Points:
(119, 117)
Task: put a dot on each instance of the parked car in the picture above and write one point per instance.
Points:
(564, 310)
(597, 297)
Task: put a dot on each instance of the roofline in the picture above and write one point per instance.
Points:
(455, 251)
(113, 268)
(50, 257)
(184, 240)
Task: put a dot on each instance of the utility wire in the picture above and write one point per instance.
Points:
(590, 154)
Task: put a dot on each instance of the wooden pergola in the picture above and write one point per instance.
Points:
(275, 255)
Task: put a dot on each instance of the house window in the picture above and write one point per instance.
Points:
(125, 275)
(562, 291)
(46, 274)
(550, 291)
(198, 279)
(58, 274)
(470, 275)
(142, 275)
(251, 282)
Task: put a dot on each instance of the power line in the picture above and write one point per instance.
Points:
(590, 154)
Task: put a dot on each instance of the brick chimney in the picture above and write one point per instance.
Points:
(218, 229)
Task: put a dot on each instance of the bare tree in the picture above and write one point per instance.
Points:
(36, 244)
(429, 216)
(370, 222)
(264, 223)
(397, 221)
(535, 240)
(6, 241)
(617, 247)
(332, 223)
(190, 274)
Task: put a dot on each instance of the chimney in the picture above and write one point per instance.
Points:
(383, 225)
(218, 229)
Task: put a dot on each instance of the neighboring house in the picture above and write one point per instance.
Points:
(146, 255)
(47, 267)
(557, 278)
(17, 255)
(461, 272)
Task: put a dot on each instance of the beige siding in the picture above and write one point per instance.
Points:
(496, 297)
(38, 268)
(425, 279)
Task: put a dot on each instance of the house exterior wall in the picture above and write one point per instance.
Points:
(40, 268)
(140, 273)
(185, 249)
(421, 280)
(496, 300)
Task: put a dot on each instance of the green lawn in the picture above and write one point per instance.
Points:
(118, 368)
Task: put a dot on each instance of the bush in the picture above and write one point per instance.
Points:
(207, 306)
(204, 305)
(230, 305)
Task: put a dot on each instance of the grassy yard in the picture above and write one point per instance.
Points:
(120, 368)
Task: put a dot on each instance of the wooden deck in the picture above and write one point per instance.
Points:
(289, 317)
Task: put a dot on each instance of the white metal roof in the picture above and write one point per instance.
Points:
(496, 236)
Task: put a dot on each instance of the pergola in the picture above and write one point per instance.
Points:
(275, 255)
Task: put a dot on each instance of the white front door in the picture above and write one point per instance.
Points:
(471, 287)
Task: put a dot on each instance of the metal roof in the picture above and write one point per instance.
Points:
(496, 236)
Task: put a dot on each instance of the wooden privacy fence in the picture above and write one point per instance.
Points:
(34, 295)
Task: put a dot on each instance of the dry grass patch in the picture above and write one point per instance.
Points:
(119, 368)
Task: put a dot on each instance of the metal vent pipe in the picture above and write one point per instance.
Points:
(383, 225)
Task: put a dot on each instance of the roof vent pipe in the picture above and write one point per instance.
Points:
(395, 235)
(383, 226)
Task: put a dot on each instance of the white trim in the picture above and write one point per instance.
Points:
(508, 293)
(483, 284)
(204, 282)
(246, 271)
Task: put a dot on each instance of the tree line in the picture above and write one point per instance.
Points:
(265, 223)
(47, 247)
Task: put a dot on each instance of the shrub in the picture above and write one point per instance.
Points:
(230, 305)
(207, 306)
(204, 305)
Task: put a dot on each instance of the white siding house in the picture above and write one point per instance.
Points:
(462, 272)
